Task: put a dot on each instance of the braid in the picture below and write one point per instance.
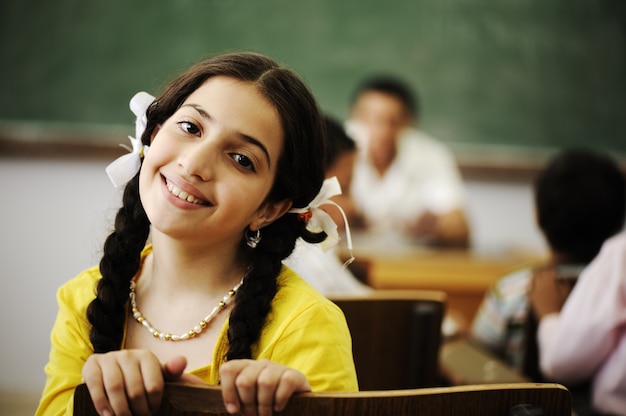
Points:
(120, 262)
(252, 305)
(254, 297)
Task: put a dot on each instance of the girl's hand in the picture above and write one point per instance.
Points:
(130, 382)
(259, 387)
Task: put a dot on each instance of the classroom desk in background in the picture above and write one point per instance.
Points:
(463, 274)
(461, 362)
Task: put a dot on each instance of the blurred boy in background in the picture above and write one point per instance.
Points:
(405, 182)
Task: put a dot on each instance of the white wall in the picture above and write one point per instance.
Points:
(55, 215)
(502, 217)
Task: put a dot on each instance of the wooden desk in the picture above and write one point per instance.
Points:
(463, 275)
(462, 363)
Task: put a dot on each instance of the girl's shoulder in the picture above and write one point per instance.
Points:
(295, 293)
(299, 309)
(81, 288)
(290, 281)
(84, 280)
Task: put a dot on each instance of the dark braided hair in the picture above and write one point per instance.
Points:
(121, 261)
(298, 178)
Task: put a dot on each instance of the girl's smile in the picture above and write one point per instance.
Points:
(212, 164)
(185, 193)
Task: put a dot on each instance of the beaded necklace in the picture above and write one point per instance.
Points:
(196, 330)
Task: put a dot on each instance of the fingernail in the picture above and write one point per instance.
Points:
(231, 407)
(107, 412)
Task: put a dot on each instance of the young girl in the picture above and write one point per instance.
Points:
(232, 155)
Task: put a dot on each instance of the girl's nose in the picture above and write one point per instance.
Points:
(198, 161)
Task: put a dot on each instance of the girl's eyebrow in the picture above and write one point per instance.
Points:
(244, 137)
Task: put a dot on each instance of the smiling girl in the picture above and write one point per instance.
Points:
(235, 158)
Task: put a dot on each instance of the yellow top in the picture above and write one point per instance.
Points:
(304, 331)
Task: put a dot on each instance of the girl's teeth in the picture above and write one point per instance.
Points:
(179, 193)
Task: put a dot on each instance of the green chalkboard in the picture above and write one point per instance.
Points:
(521, 73)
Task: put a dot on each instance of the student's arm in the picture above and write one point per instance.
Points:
(575, 342)
(444, 222)
(448, 229)
(501, 313)
(453, 229)
(490, 322)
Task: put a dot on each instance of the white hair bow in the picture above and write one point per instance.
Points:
(319, 220)
(125, 167)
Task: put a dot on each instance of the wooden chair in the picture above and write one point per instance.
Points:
(484, 400)
(395, 337)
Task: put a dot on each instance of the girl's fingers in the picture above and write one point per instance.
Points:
(228, 375)
(127, 371)
(135, 395)
(259, 387)
(92, 376)
(174, 368)
(292, 381)
(114, 387)
(153, 382)
(268, 381)
(123, 381)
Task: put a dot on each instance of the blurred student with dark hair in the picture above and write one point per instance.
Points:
(405, 181)
(580, 202)
(583, 339)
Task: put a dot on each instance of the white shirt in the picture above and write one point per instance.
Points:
(588, 338)
(323, 270)
(423, 176)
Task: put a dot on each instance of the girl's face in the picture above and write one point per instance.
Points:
(212, 164)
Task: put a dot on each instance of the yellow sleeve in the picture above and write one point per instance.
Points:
(307, 332)
(318, 344)
(70, 346)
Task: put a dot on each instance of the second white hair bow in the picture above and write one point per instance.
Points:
(125, 167)
(321, 221)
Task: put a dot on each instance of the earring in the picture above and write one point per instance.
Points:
(254, 239)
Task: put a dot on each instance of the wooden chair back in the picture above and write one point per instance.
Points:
(396, 337)
(484, 400)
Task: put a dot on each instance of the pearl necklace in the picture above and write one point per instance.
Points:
(196, 330)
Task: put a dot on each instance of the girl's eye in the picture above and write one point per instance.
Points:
(189, 128)
(244, 161)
